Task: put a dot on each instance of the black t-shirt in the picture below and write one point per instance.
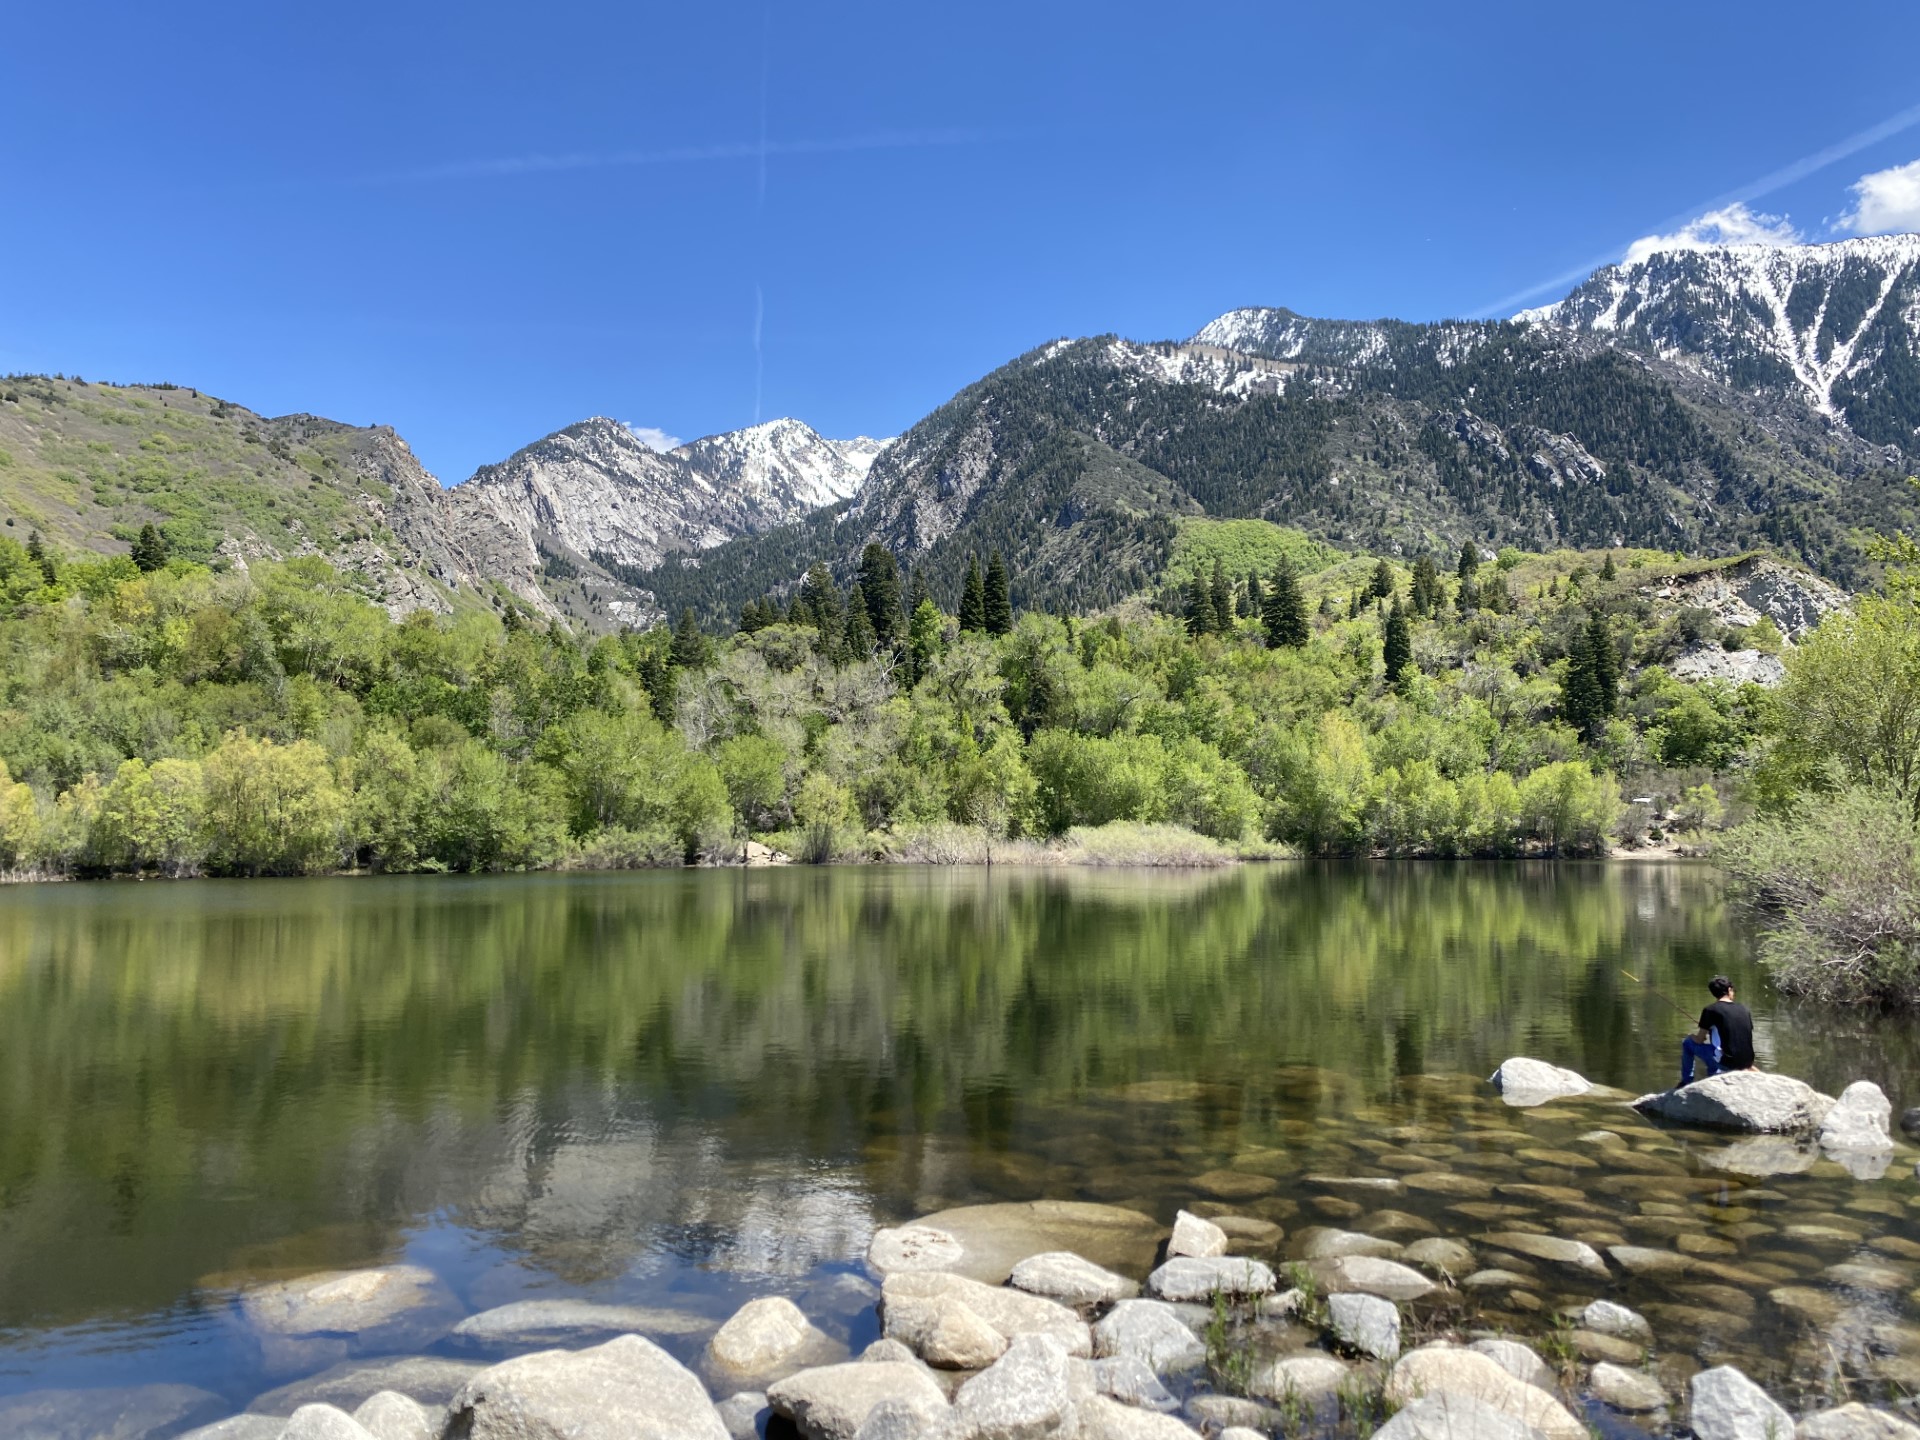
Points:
(1735, 1024)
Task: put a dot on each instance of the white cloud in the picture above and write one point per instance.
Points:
(654, 438)
(1885, 201)
(1733, 225)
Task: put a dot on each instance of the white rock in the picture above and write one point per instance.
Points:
(323, 1422)
(626, 1389)
(1104, 1419)
(1324, 1242)
(240, 1427)
(832, 1403)
(393, 1416)
(1063, 1276)
(744, 1415)
(1858, 1120)
(1201, 1239)
(1857, 1422)
(1758, 1101)
(1436, 1370)
(945, 1332)
(895, 1420)
(1011, 1312)
(1453, 1416)
(1367, 1323)
(913, 1247)
(1024, 1395)
(888, 1352)
(1193, 1279)
(1607, 1318)
(1151, 1332)
(1521, 1081)
(1633, 1391)
(1131, 1381)
(1517, 1360)
(766, 1339)
(1724, 1404)
(1305, 1377)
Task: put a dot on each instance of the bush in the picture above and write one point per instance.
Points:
(1841, 878)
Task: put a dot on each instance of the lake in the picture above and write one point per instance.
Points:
(688, 1088)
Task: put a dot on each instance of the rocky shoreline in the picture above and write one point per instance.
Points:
(1063, 1320)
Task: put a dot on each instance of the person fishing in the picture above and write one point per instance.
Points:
(1724, 1040)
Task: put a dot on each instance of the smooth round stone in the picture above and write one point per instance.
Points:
(1692, 1244)
(1822, 1307)
(1448, 1182)
(1604, 1317)
(115, 1412)
(1866, 1277)
(1728, 1298)
(1307, 1377)
(1186, 1278)
(1440, 1255)
(1250, 1230)
(1607, 1139)
(1384, 1184)
(1633, 1392)
(1571, 1254)
(627, 1386)
(1558, 1159)
(766, 1340)
(1370, 1275)
(1487, 1212)
(1063, 1276)
(1336, 1207)
(1822, 1234)
(390, 1307)
(1518, 1360)
(1494, 1280)
(323, 1422)
(1234, 1185)
(1398, 1222)
(391, 1416)
(1592, 1345)
(1546, 1194)
(1326, 1243)
(1694, 1321)
(1896, 1246)
(1857, 1422)
(1638, 1260)
(429, 1379)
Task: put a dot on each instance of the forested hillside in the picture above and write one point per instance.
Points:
(156, 715)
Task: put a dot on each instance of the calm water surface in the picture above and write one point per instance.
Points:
(689, 1088)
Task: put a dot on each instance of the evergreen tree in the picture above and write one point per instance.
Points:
(38, 553)
(150, 549)
(1469, 561)
(1396, 643)
(859, 636)
(1357, 603)
(1250, 599)
(880, 590)
(1580, 687)
(1284, 610)
(1382, 585)
(657, 676)
(918, 590)
(756, 615)
(923, 640)
(690, 649)
(973, 599)
(820, 601)
(1426, 586)
(1222, 590)
(999, 599)
(1609, 571)
(1201, 619)
(1606, 665)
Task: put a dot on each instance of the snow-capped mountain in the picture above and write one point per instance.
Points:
(1837, 325)
(1281, 334)
(570, 512)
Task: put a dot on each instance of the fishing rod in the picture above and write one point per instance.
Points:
(1658, 996)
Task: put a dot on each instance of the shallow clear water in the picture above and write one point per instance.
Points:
(689, 1088)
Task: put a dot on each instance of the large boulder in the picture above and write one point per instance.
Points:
(1857, 1422)
(1724, 1404)
(542, 1324)
(132, 1412)
(945, 1332)
(832, 1403)
(1063, 1276)
(1024, 1395)
(985, 1242)
(766, 1339)
(1150, 1331)
(1010, 1312)
(1189, 1278)
(1756, 1101)
(1858, 1120)
(1453, 1415)
(1521, 1081)
(626, 1389)
(1443, 1370)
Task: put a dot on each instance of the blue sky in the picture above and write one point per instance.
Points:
(478, 223)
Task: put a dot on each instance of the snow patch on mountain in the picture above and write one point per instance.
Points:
(783, 465)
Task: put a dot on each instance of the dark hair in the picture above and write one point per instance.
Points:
(1719, 985)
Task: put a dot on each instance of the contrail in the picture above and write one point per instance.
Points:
(506, 167)
(1766, 185)
(760, 211)
(759, 355)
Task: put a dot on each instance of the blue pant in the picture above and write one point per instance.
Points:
(1691, 1050)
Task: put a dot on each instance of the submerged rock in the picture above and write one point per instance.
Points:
(1526, 1082)
(1440, 1255)
(1572, 1254)
(1758, 1101)
(985, 1242)
(1723, 1404)
(1366, 1323)
(239, 1427)
(1761, 1155)
(1063, 1276)
(557, 1322)
(329, 1316)
(1633, 1392)
(1858, 1120)
(1306, 1376)
(626, 1389)
(426, 1378)
(832, 1403)
(1323, 1242)
(131, 1412)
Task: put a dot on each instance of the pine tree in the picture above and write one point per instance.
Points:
(973, 599)
(1250, 600)
(1606, 665)
(1580, 687)
(1609, 571)
(1201, 619)
(1222, 590)
(149, 550)
(998, 608)
(1382, 585)
(1396, 643)
(1426, 586)
(880, 590)
(918, 590)
(1469, 561)
(656, 675)
(36, 547)
(820, 601)
(690, 650)
(1284, 611)
(859, 635)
